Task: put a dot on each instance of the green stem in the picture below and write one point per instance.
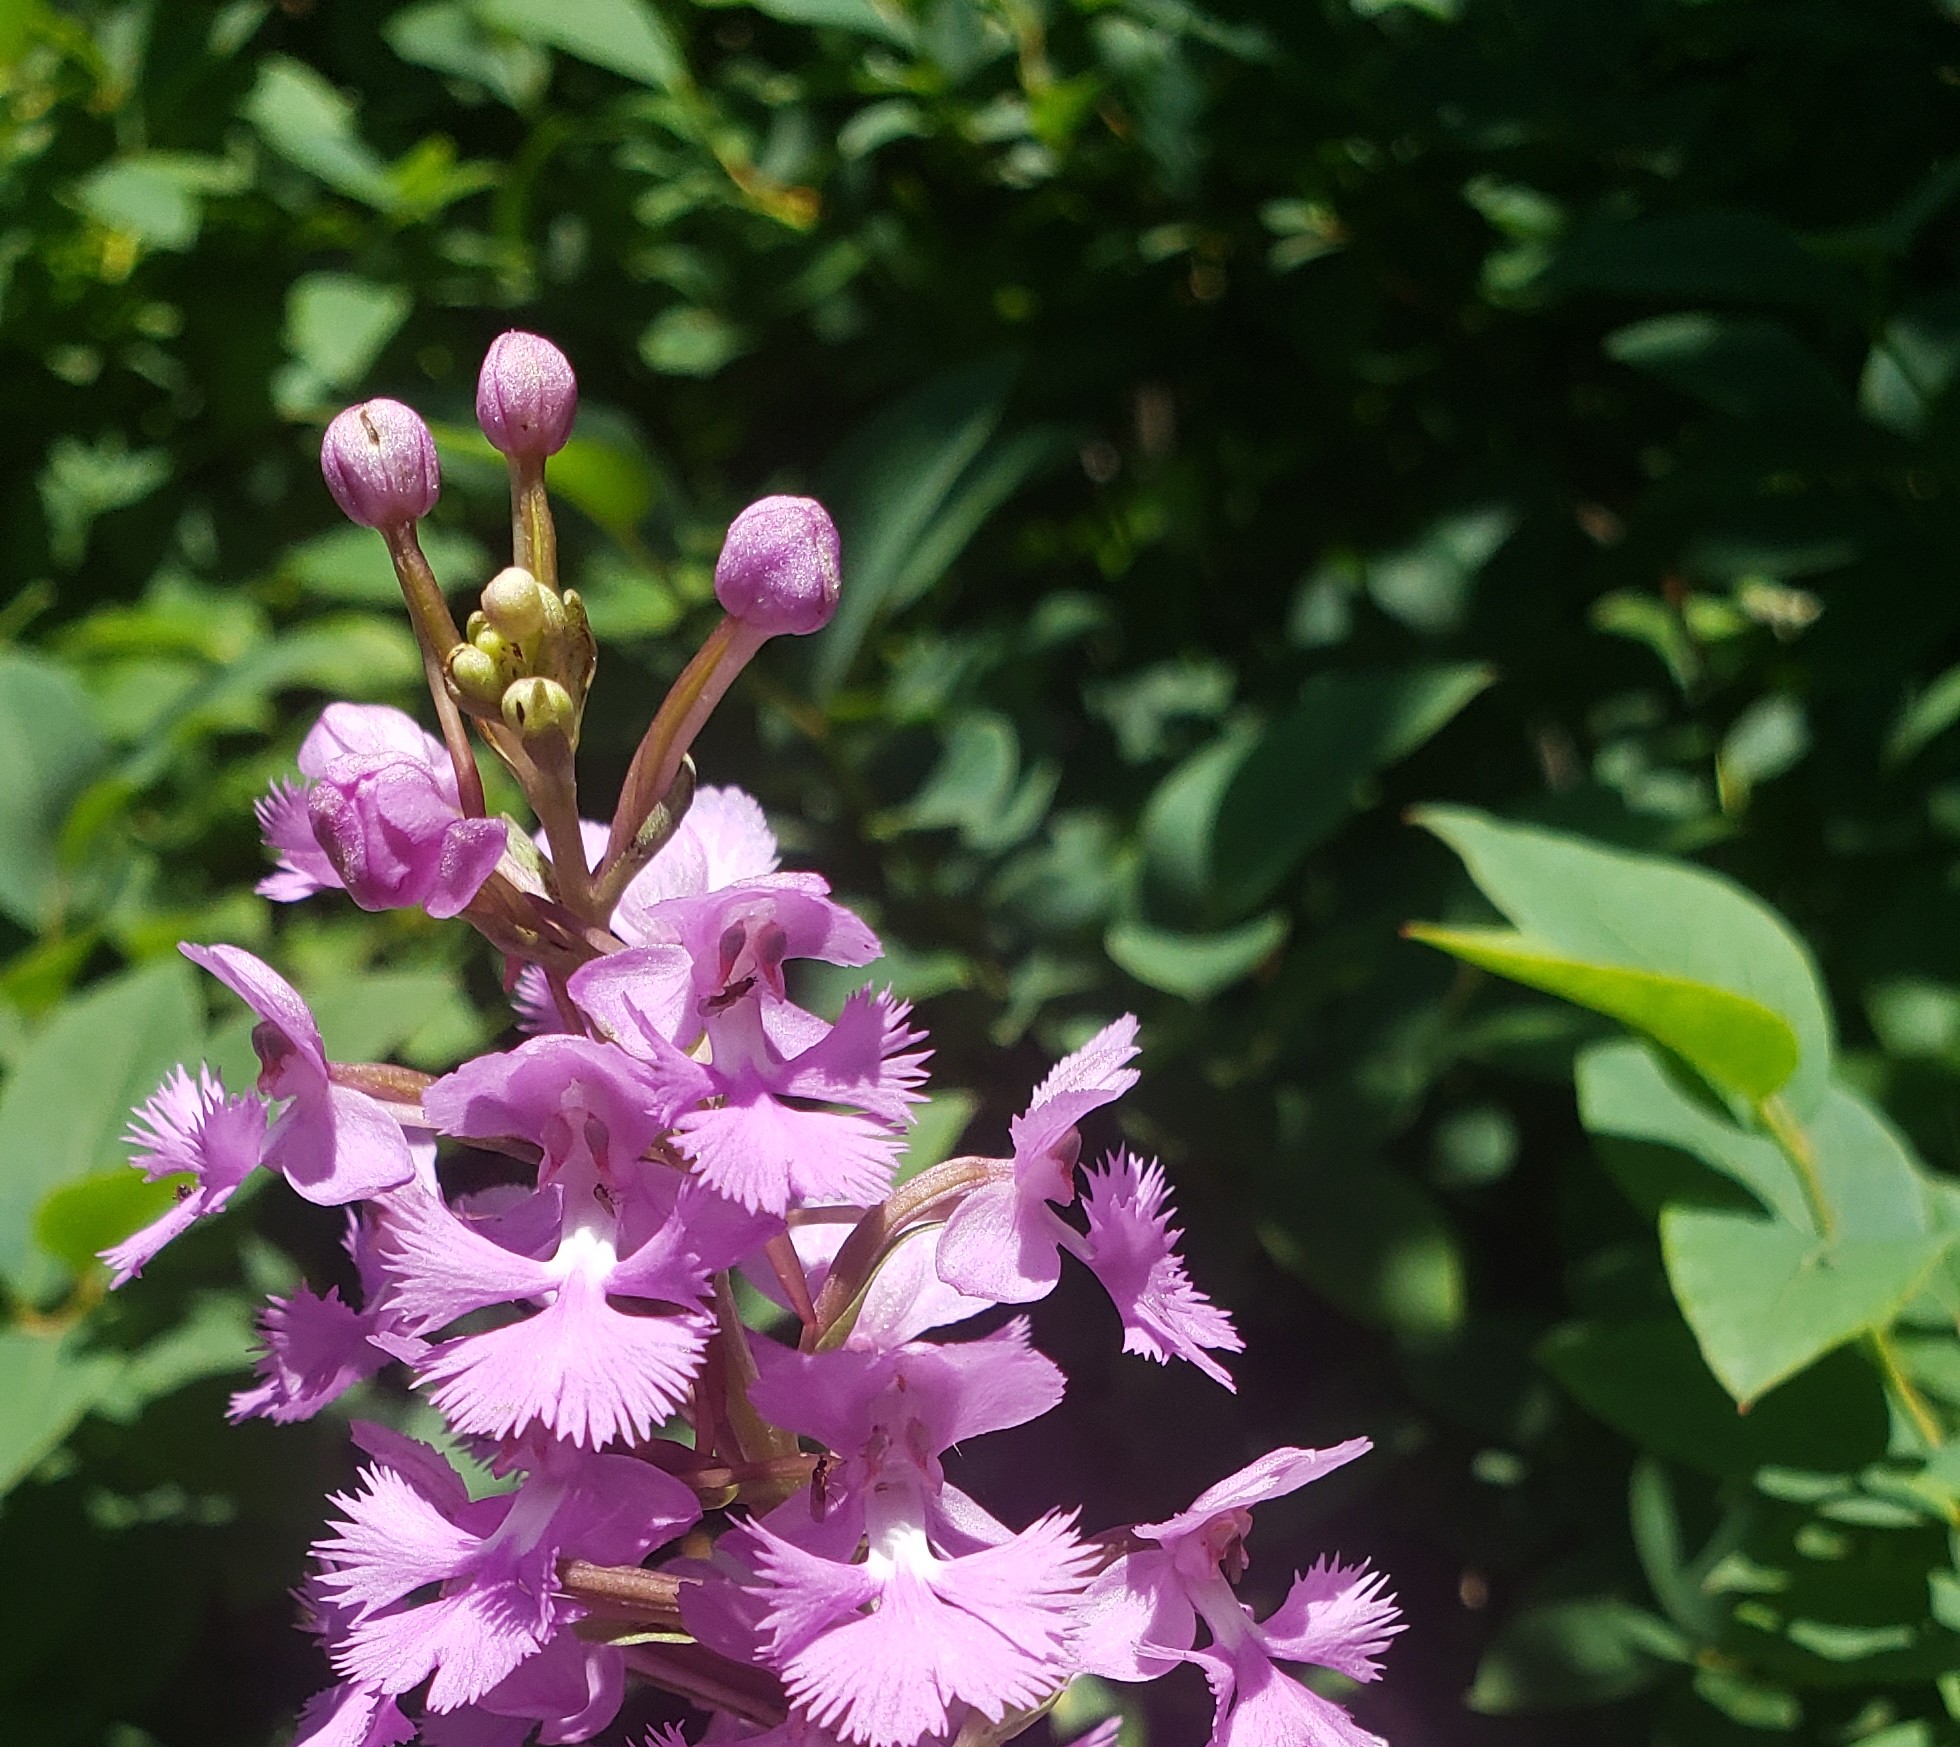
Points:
(1789, 1134)
(533, 535)
(687, 705)
(435, 636)
(1913, 1404)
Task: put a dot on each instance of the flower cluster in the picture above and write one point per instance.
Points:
(752, 1513)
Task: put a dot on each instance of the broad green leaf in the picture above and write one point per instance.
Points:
(866, 17)
(979, 788)
(1611, 907)
(1195, 966)
(47, 1387)
(1869, 1181)
(1647, 1379)
(337, 325)
(215, 1340)
(1567, 1653)
(306, 121)
(1736, 1042)
(351, 564)
(1378, 1247)
(1180, 819)
(1746, 366)
(1297, 783)
(1926, 715)
(84, 481)
(1765, 1298)
(68, 1101)
(1911, 364)
(1626, 1094)
(1744, 256)
(54, 750)
(444, 35)
(690, 341)
(627, 37)
(911, 489)
(157, 196)
(1427, 584)
(80, 1220)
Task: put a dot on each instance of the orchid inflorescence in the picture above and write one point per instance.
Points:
(759, 1523)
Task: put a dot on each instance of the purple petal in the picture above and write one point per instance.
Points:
(861, 1061)
(390, 1542)
(1258, 1706)
(1137, 1606)
(763, 1154)
(1274, 1475)
(367, 731)
(573, 1689)
(590, 1373)
(551, 1080)
(468, 1640)
(189, 1126)
(288, 832)
(362, 1147)
(315, 1350)
(351, 1715)
(640, 998)
(1336, 1616)
(990, 1629)
(1002, 1245)
(442, 1269)
(268, 994)
(1132, 1250)
(1096, 1074)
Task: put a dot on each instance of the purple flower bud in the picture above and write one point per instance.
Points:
(779, 566)
(396, 838)
(380, 464)
(526, 395)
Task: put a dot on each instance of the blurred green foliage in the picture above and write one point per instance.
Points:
(1247, 421)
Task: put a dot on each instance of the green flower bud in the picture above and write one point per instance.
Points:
(477, 677)
(514, 602)
(538, 706)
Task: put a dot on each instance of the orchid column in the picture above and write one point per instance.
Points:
(751, 1514)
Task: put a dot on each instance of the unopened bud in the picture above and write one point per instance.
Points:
(779, 567)
(526, 395)
(536, 706)
(380, 464)
(513, 602)
(476, 675)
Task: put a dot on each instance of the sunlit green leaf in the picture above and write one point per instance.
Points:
(1608, 907)
(1738, 1043)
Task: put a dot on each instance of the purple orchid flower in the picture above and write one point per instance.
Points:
(948, 1610)
(378, 816)
(613, 1228)
(332, 1143)
(413, 1524)
(1004, 1242)
(189, 1127)
(760, 1135)
(1140, 1616)
(315, 1347)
